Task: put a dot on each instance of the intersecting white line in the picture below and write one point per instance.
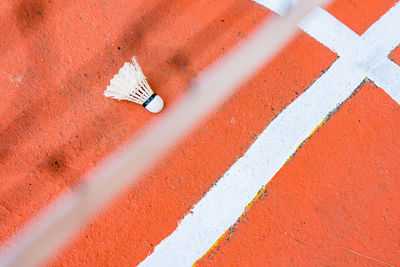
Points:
(387, 76)
(368, 52)
(226, 201)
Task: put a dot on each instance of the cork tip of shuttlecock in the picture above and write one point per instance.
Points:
(156, 105)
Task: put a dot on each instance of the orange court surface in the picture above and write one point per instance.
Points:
(316, 132)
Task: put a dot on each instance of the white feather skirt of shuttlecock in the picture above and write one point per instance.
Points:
(129, 84)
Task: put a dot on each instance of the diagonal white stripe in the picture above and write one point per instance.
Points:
(225, 202)
(56, 224)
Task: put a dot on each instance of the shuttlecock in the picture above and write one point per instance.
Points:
(130, 84)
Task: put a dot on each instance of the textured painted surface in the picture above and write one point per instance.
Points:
(359, 15)
(56, 58)
(188, 172)
(359, 56)
(338, 196)
(55, 124)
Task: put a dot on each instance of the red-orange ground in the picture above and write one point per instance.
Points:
(56, 58)
(58, 124)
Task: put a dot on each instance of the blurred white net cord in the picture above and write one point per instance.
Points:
(58, 223)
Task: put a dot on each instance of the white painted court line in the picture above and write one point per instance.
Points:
(330, 32)
(387, 75)
(385, 33)
(57, 223)
(278, 6)
(368, 52)
(226, 201)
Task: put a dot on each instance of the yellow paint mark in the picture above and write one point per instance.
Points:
(214, 245)
(262, 191)
(313, 132)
